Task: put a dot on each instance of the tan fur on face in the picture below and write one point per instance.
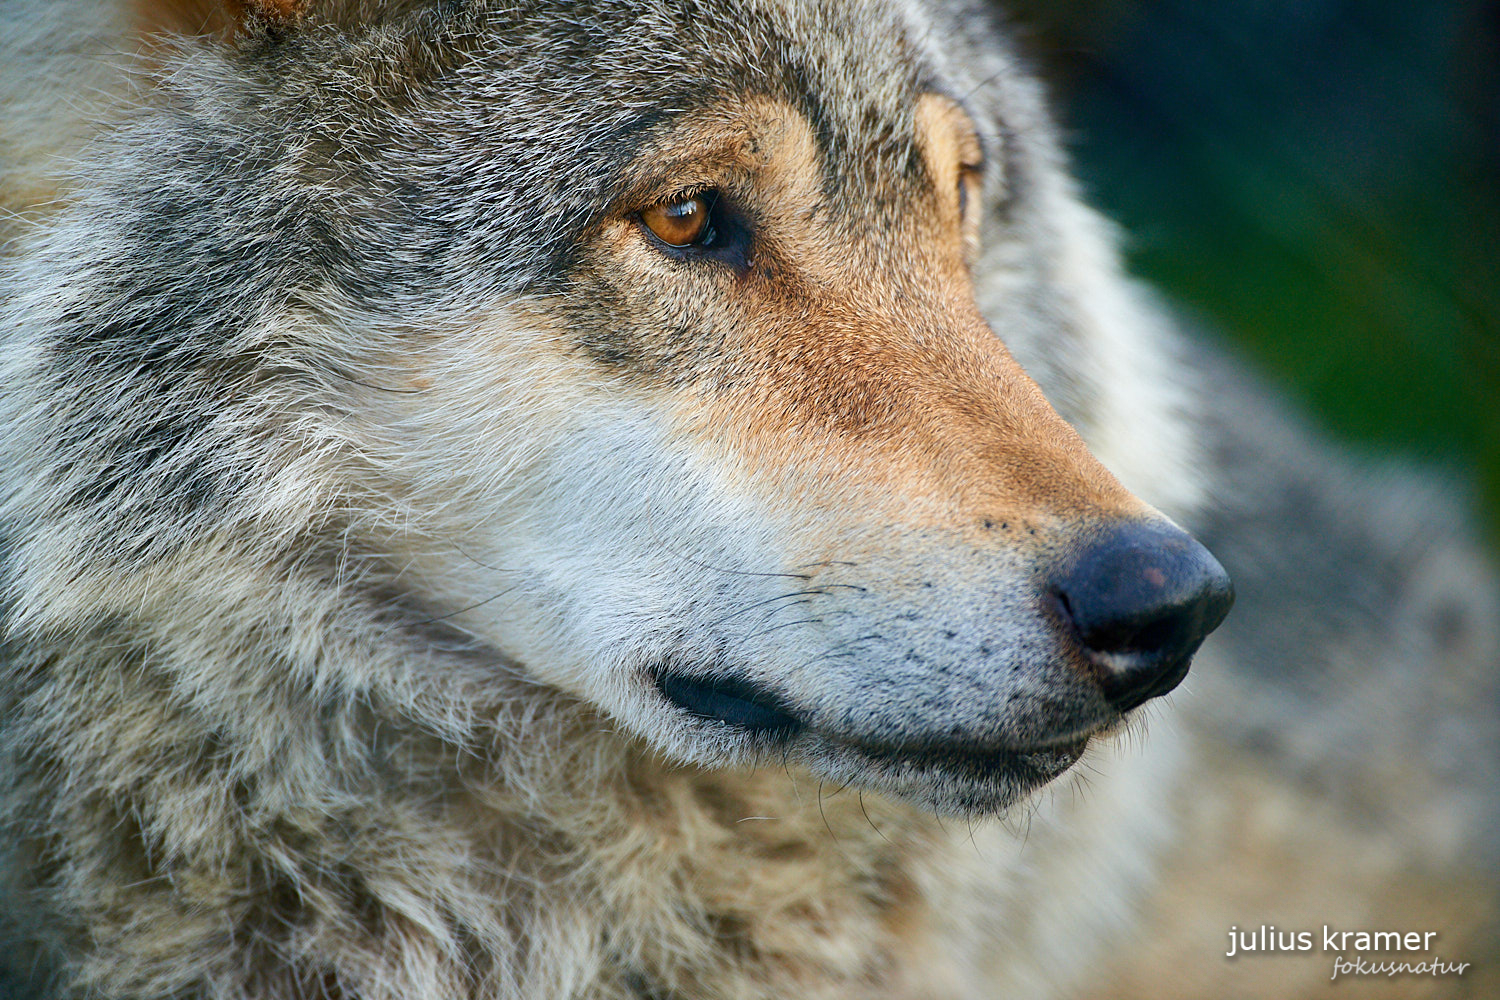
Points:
(859, 359)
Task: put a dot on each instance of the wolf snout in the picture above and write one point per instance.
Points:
(1140, 599)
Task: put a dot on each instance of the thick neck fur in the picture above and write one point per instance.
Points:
(389, 843)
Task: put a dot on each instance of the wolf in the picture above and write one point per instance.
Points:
(644, 500)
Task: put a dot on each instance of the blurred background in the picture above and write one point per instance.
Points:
(1317, 179)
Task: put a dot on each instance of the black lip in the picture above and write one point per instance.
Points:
(1037, 764)
(951, 778)
(730, 700)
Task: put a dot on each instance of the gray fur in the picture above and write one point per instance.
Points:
(252, 748)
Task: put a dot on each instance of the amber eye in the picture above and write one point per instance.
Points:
(679, 223)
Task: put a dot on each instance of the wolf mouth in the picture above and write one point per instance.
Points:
(970, 780)
(978, 764)
(758, 711)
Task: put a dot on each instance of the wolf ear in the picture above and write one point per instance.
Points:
(214, 17)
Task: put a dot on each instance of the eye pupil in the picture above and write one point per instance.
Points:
(679, 223)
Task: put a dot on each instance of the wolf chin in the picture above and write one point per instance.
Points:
(522, 500)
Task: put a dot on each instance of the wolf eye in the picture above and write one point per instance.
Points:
(684, 222)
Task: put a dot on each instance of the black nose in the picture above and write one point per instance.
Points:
(1142, 598)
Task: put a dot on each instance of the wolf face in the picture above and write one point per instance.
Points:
(642, 346)
(808, 506)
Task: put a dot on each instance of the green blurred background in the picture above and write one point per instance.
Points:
(1320, 179)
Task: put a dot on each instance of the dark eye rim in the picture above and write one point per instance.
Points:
(726, 238)
(704, 240)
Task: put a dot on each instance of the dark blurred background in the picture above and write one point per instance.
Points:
(1318, 179)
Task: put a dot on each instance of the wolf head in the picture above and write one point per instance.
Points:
(642, 344)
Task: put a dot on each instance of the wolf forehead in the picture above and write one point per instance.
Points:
(395, 141)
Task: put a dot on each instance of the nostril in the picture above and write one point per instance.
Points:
(1156, 633)
(1065, 604)
(1141, 598)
